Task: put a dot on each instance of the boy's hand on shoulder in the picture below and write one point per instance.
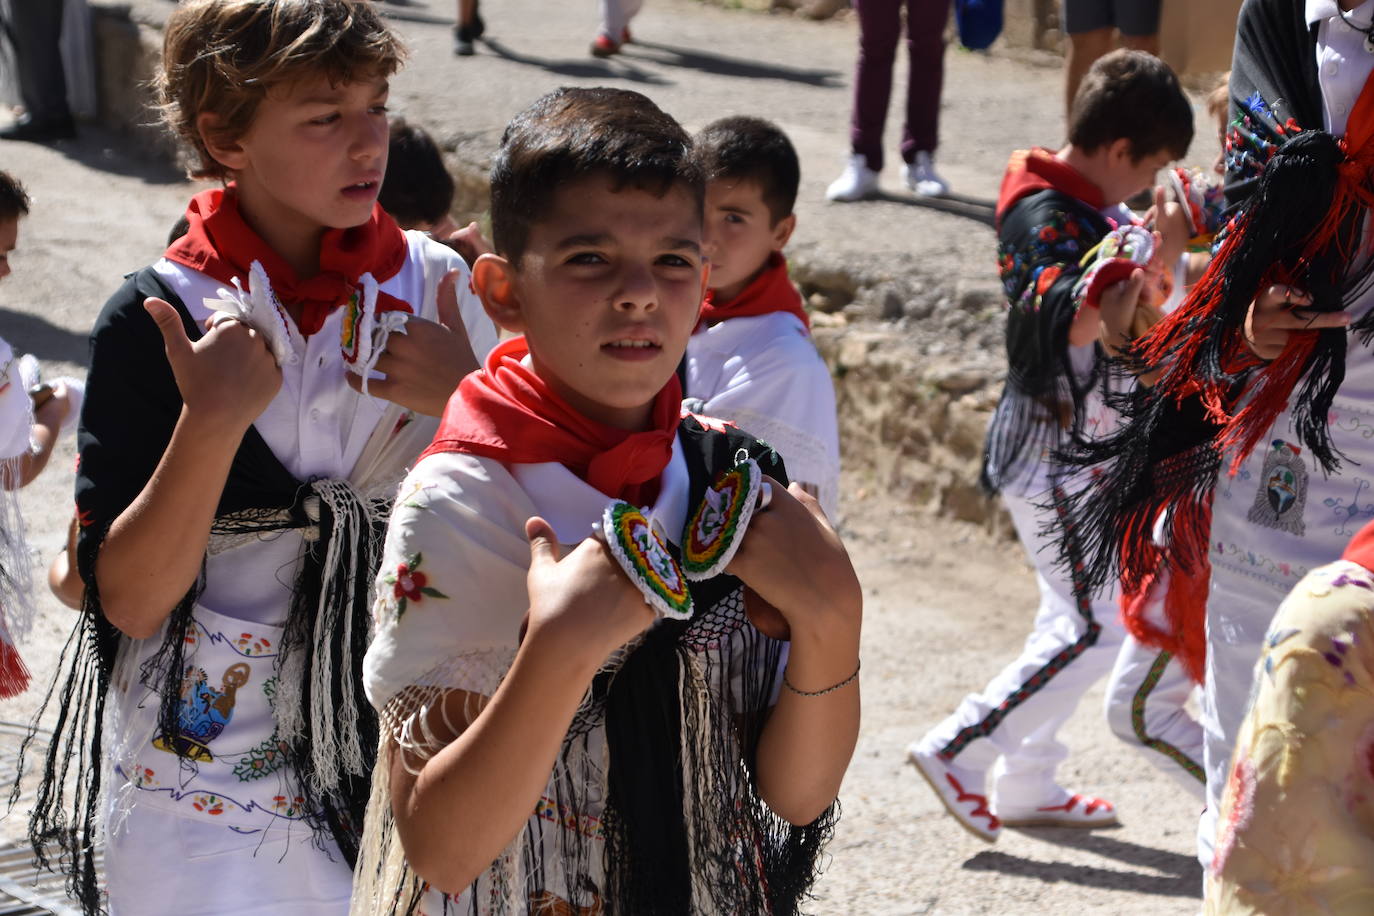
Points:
(584, 602)
(793, 560)
(227, 378)
(425, 364)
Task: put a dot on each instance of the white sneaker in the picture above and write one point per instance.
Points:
(959, 790)
(1083, 811)
(921, 178)
(856, 182)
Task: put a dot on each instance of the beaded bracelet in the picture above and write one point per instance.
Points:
(820, 693)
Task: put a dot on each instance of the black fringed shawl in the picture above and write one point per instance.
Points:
(131, 408)
(647, 857)
(1044, 229)
(1297, 197)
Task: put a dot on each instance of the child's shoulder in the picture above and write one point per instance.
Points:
(461, 487)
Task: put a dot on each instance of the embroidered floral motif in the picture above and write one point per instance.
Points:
(1026, 276)
(288, 806)
(409, 584)
(414, 498)
(251, 645)
(209, 804)
(270, 756)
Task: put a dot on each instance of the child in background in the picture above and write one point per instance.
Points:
(418, 191)
(234, 479)
(548, 746)
(1129, 120)
(751, 360)
(1162, 659)
(615, 26)
(30, 424)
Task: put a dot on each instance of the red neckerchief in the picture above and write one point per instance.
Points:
(506, 412)
(1361, 547)
(771, 291)
(221, 245)
(1032, 170)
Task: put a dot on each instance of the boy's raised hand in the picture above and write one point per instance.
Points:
(425, 364)
(793, 559)
(228, 377)
(584, 602)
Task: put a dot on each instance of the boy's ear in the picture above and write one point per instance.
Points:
(782, 231)
(1121, 150)
(493, 279)
(228, 153)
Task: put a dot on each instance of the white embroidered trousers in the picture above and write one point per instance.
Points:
(1146, 707)
(1017, 715)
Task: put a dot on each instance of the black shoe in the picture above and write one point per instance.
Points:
(465, 35)
(40, 130)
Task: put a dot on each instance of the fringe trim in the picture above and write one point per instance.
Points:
(17, 609)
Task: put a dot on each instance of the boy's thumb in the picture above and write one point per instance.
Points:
(543, 541)
(169, 323)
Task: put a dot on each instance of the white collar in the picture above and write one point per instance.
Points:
(1318, 11)
(571, 505)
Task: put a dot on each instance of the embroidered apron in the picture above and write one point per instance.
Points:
(225, 764)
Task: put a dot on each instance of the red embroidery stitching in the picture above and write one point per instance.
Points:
(982, 800)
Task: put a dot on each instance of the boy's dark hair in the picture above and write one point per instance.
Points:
(417, 188)
(221, 57)
(1132, 95)
(752, 149)
(14, 200)
(574, 133)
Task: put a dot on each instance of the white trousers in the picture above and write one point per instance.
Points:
(1019, 712)
(1146, 708)
(616, 16)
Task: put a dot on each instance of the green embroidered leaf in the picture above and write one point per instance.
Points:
(432, 592)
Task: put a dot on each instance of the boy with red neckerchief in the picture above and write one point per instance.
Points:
(237, 461)
(751, 359)
(548, 745)
(1070, 300)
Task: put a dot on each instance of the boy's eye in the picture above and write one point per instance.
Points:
(380, 109)
(733, 218)
(675, 260)
(586, 257)
(326, 119)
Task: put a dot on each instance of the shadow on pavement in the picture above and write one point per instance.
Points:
(706, 62)
(976, 209)
(31, 334)
(105, 150)
(591, 68)
(405, 15)
(1165, 873)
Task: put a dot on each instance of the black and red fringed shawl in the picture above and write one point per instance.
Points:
(1047, 219)
(1298, 197)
